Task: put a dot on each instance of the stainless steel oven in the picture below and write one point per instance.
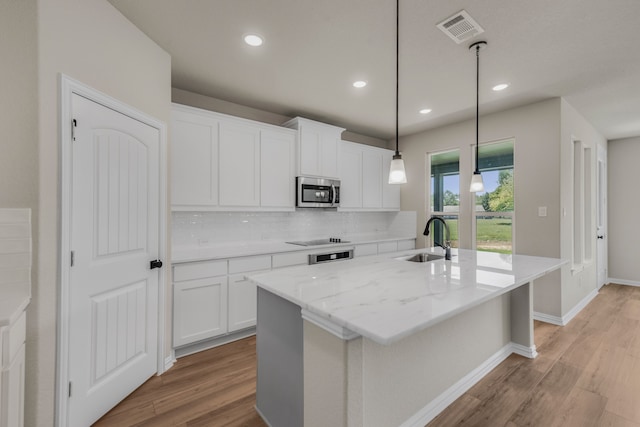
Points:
(317, 192)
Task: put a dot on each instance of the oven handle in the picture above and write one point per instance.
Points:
(333, 194)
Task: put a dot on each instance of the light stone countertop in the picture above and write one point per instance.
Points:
(180, 254)
(386, 299)
(13, 301)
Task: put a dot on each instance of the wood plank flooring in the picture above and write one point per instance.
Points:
(587, 374)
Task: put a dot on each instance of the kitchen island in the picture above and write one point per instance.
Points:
(383, 341)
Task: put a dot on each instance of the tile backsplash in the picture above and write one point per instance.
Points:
(202, 228)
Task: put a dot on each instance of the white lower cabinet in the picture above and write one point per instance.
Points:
(242, 303)
(12, 356)
(200, 309)
(213, 299)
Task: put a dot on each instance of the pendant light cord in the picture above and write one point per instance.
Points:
(397, 68)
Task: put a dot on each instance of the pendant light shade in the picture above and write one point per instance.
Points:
(397, 175)
(477, 185)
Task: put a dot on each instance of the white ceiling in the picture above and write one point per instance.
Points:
(583, 50)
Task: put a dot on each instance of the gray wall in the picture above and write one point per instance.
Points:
(543, 135)
(624, 204)
(536, 130)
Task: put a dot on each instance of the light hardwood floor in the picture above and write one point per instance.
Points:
(587, 374)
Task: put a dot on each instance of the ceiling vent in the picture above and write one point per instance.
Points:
(460, 27)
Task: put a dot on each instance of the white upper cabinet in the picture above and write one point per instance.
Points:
(225, 163)
(194, 157)
(364, 175)
(239, 167)
(371, 178)
(350, 176)
(318, 148)
(277, 168)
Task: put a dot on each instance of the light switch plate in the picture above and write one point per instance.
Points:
(542, 211)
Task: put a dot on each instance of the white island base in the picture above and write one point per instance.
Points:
(315, 372)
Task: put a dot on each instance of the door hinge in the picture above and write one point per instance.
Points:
(73, 258)
(74, 125)
(69, 388)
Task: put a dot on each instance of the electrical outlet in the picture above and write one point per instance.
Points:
(542, 211)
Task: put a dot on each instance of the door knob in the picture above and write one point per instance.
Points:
(155, 264)
(600, 237)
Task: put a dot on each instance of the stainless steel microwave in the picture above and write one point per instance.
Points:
(317, 192)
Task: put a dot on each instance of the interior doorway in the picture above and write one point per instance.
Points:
(111, 310)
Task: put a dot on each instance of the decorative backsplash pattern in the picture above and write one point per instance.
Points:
(202, 228)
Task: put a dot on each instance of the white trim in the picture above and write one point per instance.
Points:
(611, 281)
(528, 352)
(440, 403)
(332, 328)
(210, 343)
(564, 320)
(67, 87)
(547, 318)
(578, 307)
(169, 361)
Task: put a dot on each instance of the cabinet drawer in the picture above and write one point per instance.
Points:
(291, 258)
(404, 245)
(255, 263)
(199, 270)
(13, 338)
(366, 249)
(387, 247)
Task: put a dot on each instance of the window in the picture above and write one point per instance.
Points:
(494, 207)
(445, 194)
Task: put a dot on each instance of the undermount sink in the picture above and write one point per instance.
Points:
(422, 257)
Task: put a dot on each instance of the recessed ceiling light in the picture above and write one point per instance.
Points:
(425, 111)
(359, 84)
(253, 40)
(500, 87)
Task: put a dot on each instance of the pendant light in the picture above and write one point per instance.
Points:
(476, 180)
(397, 174)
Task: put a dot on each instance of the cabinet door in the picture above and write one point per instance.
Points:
(371, 179)
(329, 154)
(350, 176)
(199, 310)
(310, 151)
(277, 169)
(194, 160)
(390, 192)
(242, 303)
(239, 166)
(12, 410)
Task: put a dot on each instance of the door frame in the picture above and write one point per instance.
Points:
(68, 87)
(602, 256)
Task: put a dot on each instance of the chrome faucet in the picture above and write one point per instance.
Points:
(447, 242)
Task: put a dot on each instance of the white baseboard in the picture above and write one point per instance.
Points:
(169, 361)
(578, 307)
(440, 403)
(547, 318)
(564, 320)
(623, 282)
(529, 352)
(213, 342)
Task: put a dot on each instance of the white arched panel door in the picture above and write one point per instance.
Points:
(113, 292)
